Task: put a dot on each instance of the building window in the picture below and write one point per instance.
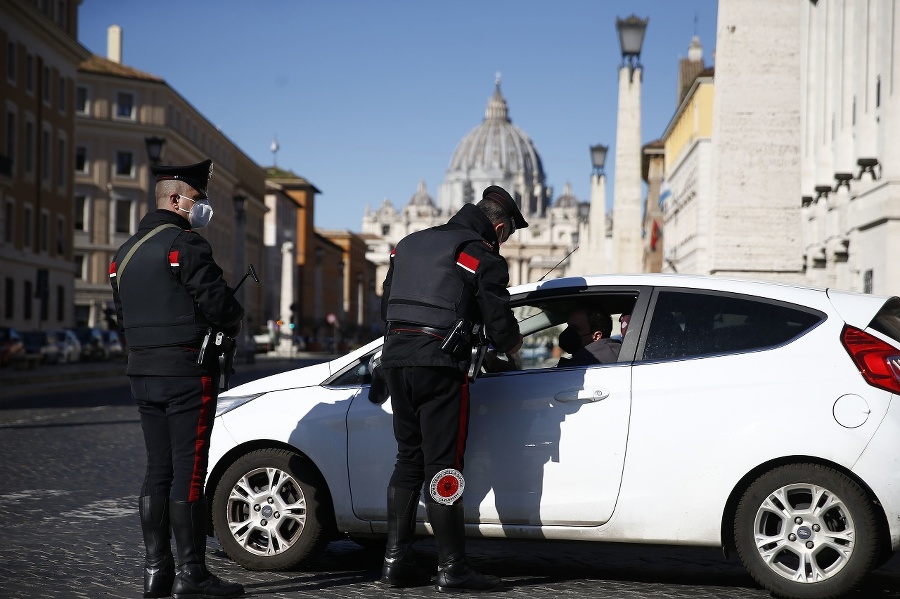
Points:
(9, 298)
(385, 229)
(62, 94)
(45, 155)
(82, 101)
(44, 232)
(60, 303)
(867, 281)
(80, 220)
(29, 147)
(125, 105)
(61, 162)
(29, 73)
(9, 213)
(82, 164)
(11, 140)
(45, 84)
(11, 62)
(124, 164)
(60, 235)
(28, 299)
(123, 216)
(27, 227)
(78, 259)
(62, 16)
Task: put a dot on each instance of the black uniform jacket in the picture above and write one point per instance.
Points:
(194, 269)
(485, 274)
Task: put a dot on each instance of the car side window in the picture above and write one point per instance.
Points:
(688, 324)
(355, 375)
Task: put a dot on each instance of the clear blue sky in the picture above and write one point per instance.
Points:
(368, 97)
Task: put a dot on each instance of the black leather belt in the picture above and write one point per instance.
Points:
(417, 328)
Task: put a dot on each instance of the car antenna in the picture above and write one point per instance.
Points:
(557, 264)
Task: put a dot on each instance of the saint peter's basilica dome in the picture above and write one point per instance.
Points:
(496, 152)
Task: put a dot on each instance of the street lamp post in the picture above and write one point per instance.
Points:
(627, 250)
(598, 158)
(155, 147)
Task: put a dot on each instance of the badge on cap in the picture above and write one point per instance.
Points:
(447, 486)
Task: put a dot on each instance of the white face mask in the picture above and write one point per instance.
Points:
(200, 213)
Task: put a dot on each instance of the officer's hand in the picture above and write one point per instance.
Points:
(234, 330)
(516, 347)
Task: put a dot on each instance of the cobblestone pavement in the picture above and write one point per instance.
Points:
(69, 476)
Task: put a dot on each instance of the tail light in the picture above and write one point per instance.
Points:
(878, 362)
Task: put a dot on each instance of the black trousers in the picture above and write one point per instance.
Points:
(431, 422)
(177, 414)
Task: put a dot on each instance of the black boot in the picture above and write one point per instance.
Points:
(454, 574)
(193, 579)
(159, 566)
(400, 568)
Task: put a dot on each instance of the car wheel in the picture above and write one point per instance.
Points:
(272, 510)
(806, 531)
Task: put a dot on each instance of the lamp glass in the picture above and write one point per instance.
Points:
(598, 155)
(154, 148)
(239, 202)
(631, 34)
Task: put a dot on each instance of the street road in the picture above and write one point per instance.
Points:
(71, 469)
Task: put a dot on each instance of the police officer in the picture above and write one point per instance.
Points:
(437, 277)
(168, 291)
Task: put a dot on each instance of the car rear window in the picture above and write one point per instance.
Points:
(695, 323)
(887, 321)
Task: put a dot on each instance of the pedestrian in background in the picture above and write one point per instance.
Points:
(437, 277)
(168, 292)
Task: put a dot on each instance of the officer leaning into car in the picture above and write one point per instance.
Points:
(169, 292)
(439, 277)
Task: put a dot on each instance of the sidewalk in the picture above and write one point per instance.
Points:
(15, 382)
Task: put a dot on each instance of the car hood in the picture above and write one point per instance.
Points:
(301, 377)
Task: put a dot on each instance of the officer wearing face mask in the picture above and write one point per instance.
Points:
(168, 290)
(437, 277)
(586, 338)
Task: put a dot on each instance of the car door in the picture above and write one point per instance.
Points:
(544, 447)
(547, 446)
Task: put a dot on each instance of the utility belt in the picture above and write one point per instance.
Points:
(217, 352)
(463, 341)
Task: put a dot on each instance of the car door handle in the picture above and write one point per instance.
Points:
(587, 395)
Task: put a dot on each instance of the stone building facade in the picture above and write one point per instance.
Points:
(39, 58)
(117, 109)
(850, 157)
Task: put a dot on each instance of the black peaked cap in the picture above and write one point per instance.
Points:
(195, 175)
(502, 197)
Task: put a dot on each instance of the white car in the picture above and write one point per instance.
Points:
(760, 417)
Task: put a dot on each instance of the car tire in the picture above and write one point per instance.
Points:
(272, 510)
(806, 531)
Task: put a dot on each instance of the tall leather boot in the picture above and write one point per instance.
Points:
(159, 566)
(193, 579)
(400, 568)
(454, 574)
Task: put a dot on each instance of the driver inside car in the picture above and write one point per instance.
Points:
(587, 338)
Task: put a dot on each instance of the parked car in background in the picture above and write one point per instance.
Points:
(763, 418)
(10, 344)
(93, 349)
(113, 344)
(69, 346)
(43, 343)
